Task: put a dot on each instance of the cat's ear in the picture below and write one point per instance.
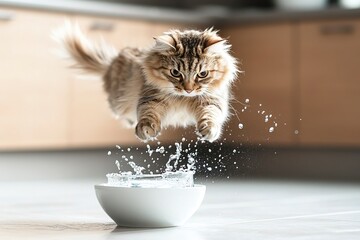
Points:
(215, 44)
(164, 43)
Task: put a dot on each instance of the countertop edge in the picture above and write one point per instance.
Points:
(111, 10)
(257, 16)
(205, 16)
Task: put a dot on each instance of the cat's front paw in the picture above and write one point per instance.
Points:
(147, 130)
(208, 131)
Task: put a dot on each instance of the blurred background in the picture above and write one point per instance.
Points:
(296, 109)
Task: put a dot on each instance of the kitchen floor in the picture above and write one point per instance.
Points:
(233, 209)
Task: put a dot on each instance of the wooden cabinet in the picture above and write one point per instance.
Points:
(34, 96)
(45, 105)
(304, 74)
(329, 79)
(265, 54)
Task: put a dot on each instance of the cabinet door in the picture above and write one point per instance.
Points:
(330, 82)
(265, 54)
(34, 82)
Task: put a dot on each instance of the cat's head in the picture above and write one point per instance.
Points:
(190, 62)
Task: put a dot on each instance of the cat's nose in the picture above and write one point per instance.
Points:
(188, 90)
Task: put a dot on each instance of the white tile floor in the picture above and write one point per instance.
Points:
(231, 210)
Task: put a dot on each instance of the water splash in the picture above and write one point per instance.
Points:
(137, 169)
(183, 155)
(174, 158)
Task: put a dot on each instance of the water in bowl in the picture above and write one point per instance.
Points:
(179, 179)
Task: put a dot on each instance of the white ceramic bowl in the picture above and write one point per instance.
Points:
(150, 207)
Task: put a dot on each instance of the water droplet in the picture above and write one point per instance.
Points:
(296, 132)
(247, 100)
(241, 126)
(209, 150)
(271, 129)
(160, 149)
(209, 168)
(234, 151)
(129, 149)
(260, 105)
(117, 164)
(183, 139)
(118, 147)
(109, 153)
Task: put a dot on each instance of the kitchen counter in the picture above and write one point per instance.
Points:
(231, 210)
(110, 9)
(209, 15)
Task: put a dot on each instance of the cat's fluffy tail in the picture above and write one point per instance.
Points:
(89, 56)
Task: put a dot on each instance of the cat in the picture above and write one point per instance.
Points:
(184, 79)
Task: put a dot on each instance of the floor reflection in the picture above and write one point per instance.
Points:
(57, 226)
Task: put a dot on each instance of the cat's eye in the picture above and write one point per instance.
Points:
(203, 74)
(175, 73)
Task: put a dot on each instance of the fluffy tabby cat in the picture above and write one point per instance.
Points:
(184, 79)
